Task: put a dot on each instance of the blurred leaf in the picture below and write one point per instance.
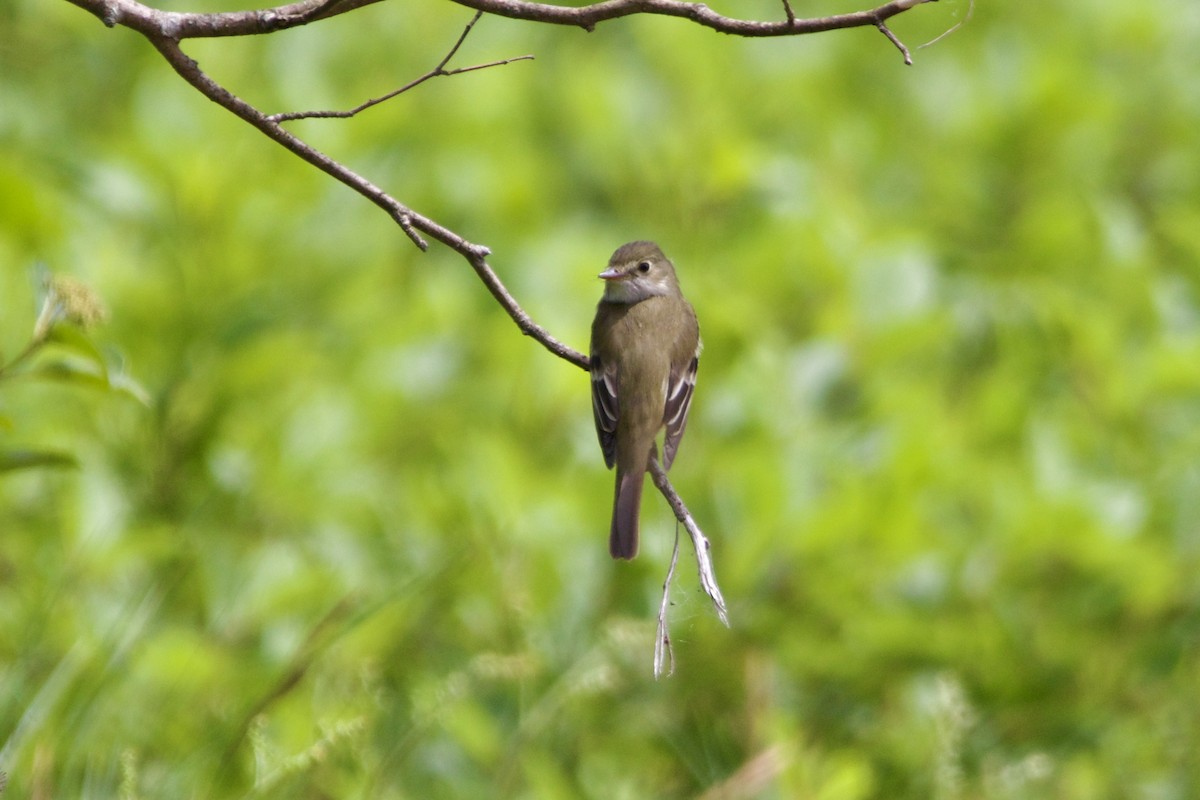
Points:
(88, 373)
(11, 460)
(74, 371)
(124, 384)
(77, 341)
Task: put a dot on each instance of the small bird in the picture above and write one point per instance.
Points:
(644, 354)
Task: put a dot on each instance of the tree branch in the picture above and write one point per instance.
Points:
(165, 30)
(587, 17)
(412, 223)
(886, 31)
(193, 25)
(663, 655)
(437, 72)
(180, 25)
(708, 578)
(789, 13)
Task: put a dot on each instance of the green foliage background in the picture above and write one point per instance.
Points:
(946, 439)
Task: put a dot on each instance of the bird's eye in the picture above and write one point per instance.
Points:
(643, 267)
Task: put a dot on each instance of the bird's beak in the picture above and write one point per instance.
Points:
(613, 274)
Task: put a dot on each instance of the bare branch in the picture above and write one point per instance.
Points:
(437, 72)
(190, 71)
(462, 38)
(478, 262)
(587, 17)
(290, 115)
(886, 31)
(412, 223)
(708, 578)
(189, 25)
(663, 654)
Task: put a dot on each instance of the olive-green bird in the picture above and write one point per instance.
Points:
(644, 354)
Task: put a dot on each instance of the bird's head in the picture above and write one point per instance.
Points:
(636, 271)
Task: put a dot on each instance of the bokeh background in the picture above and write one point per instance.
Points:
(946, 439)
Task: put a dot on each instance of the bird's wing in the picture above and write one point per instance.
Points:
(605, 407)
(680, 385)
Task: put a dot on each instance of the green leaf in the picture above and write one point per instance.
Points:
(11, 460)
(74, 339)
(71, 370)
(124, 384)
(86, 374)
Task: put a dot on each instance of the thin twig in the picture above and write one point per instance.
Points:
(437, 72)
(952, 28)
(886, 31)
(662, 642)
(791, 15)
(291, 115)
(708, 578)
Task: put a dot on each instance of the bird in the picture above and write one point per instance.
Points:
(645, 350)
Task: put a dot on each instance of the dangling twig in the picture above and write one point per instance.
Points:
(662, 644)
(704, 566)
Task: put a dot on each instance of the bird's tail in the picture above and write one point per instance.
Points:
(623, 538)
